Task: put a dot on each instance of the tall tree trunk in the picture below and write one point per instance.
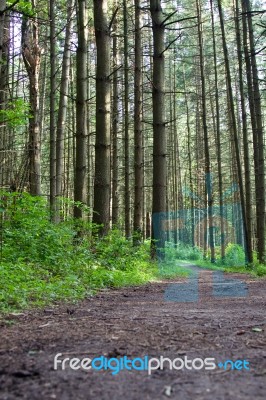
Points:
(234, 127)
(2, 25)
(159, 133)
(102, 146)
(218, 136)
(208, 177)
(260, 165)
(3, 87)
(115, 198)
(189, 149)
(52, 109)
(126, 122)
(138, 129)
(244, 134)
(31, 53)
(80, 182)
(62, 110)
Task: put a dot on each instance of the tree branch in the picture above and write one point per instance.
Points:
(9, 7)
(173, 41)
(169, 16)
(113, 18)
(180, 20)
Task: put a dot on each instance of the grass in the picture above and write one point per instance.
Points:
(25, 285)
(255, 270)
(42, 262)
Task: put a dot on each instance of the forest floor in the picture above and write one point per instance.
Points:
(138, 322)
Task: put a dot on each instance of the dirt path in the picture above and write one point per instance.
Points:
(138, 322)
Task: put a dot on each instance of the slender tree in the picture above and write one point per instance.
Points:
(80, 182)
(52, 109)
(62, 110)
(244, 133)
(3, 85)
(159, 132)
(259, 139)
(126, 123)
(218, 135)
(102, 146)
(31, 53)
(138, 128)
(234, 125)
(115, 117)
(209, 189)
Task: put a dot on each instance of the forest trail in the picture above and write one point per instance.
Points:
(138, 322)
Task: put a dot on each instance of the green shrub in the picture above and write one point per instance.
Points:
(42, 262)
(234, 255)
(260, 270)
(181, 251)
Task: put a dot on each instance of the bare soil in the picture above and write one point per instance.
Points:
(135, 322)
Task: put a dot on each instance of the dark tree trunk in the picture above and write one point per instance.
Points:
(102, 147)
(138, 129)
(31, 53)
(159, 133)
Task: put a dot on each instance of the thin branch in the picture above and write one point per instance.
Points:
(180, 20)
(173, 41)
(113, 18)
(9, 7)
(115, 70)
(259, 51)
(183, 28)
(169, 122)
(169, 16)
(253, 12)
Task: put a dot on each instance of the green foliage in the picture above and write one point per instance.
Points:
(260, 270)
(168, 266)
(23, 6)
(43, 262)
(234, 255)
(29, 236)
(181, 251)
(16, 113)
(234, 260)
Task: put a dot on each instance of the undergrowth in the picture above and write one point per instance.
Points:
(42, 262)
(176, 256)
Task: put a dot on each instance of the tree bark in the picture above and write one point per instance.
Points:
(244, 135)
(115, 197)
(208, 177)
(126, 124)
(31, 53)
(52, 110)
(218, 136)
(138, 129)
(159, 132)
(234, 126)
(258, 134)
(80, 182)
(102, 146)
(62, 110)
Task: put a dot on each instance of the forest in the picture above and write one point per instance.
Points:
(132, 150)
